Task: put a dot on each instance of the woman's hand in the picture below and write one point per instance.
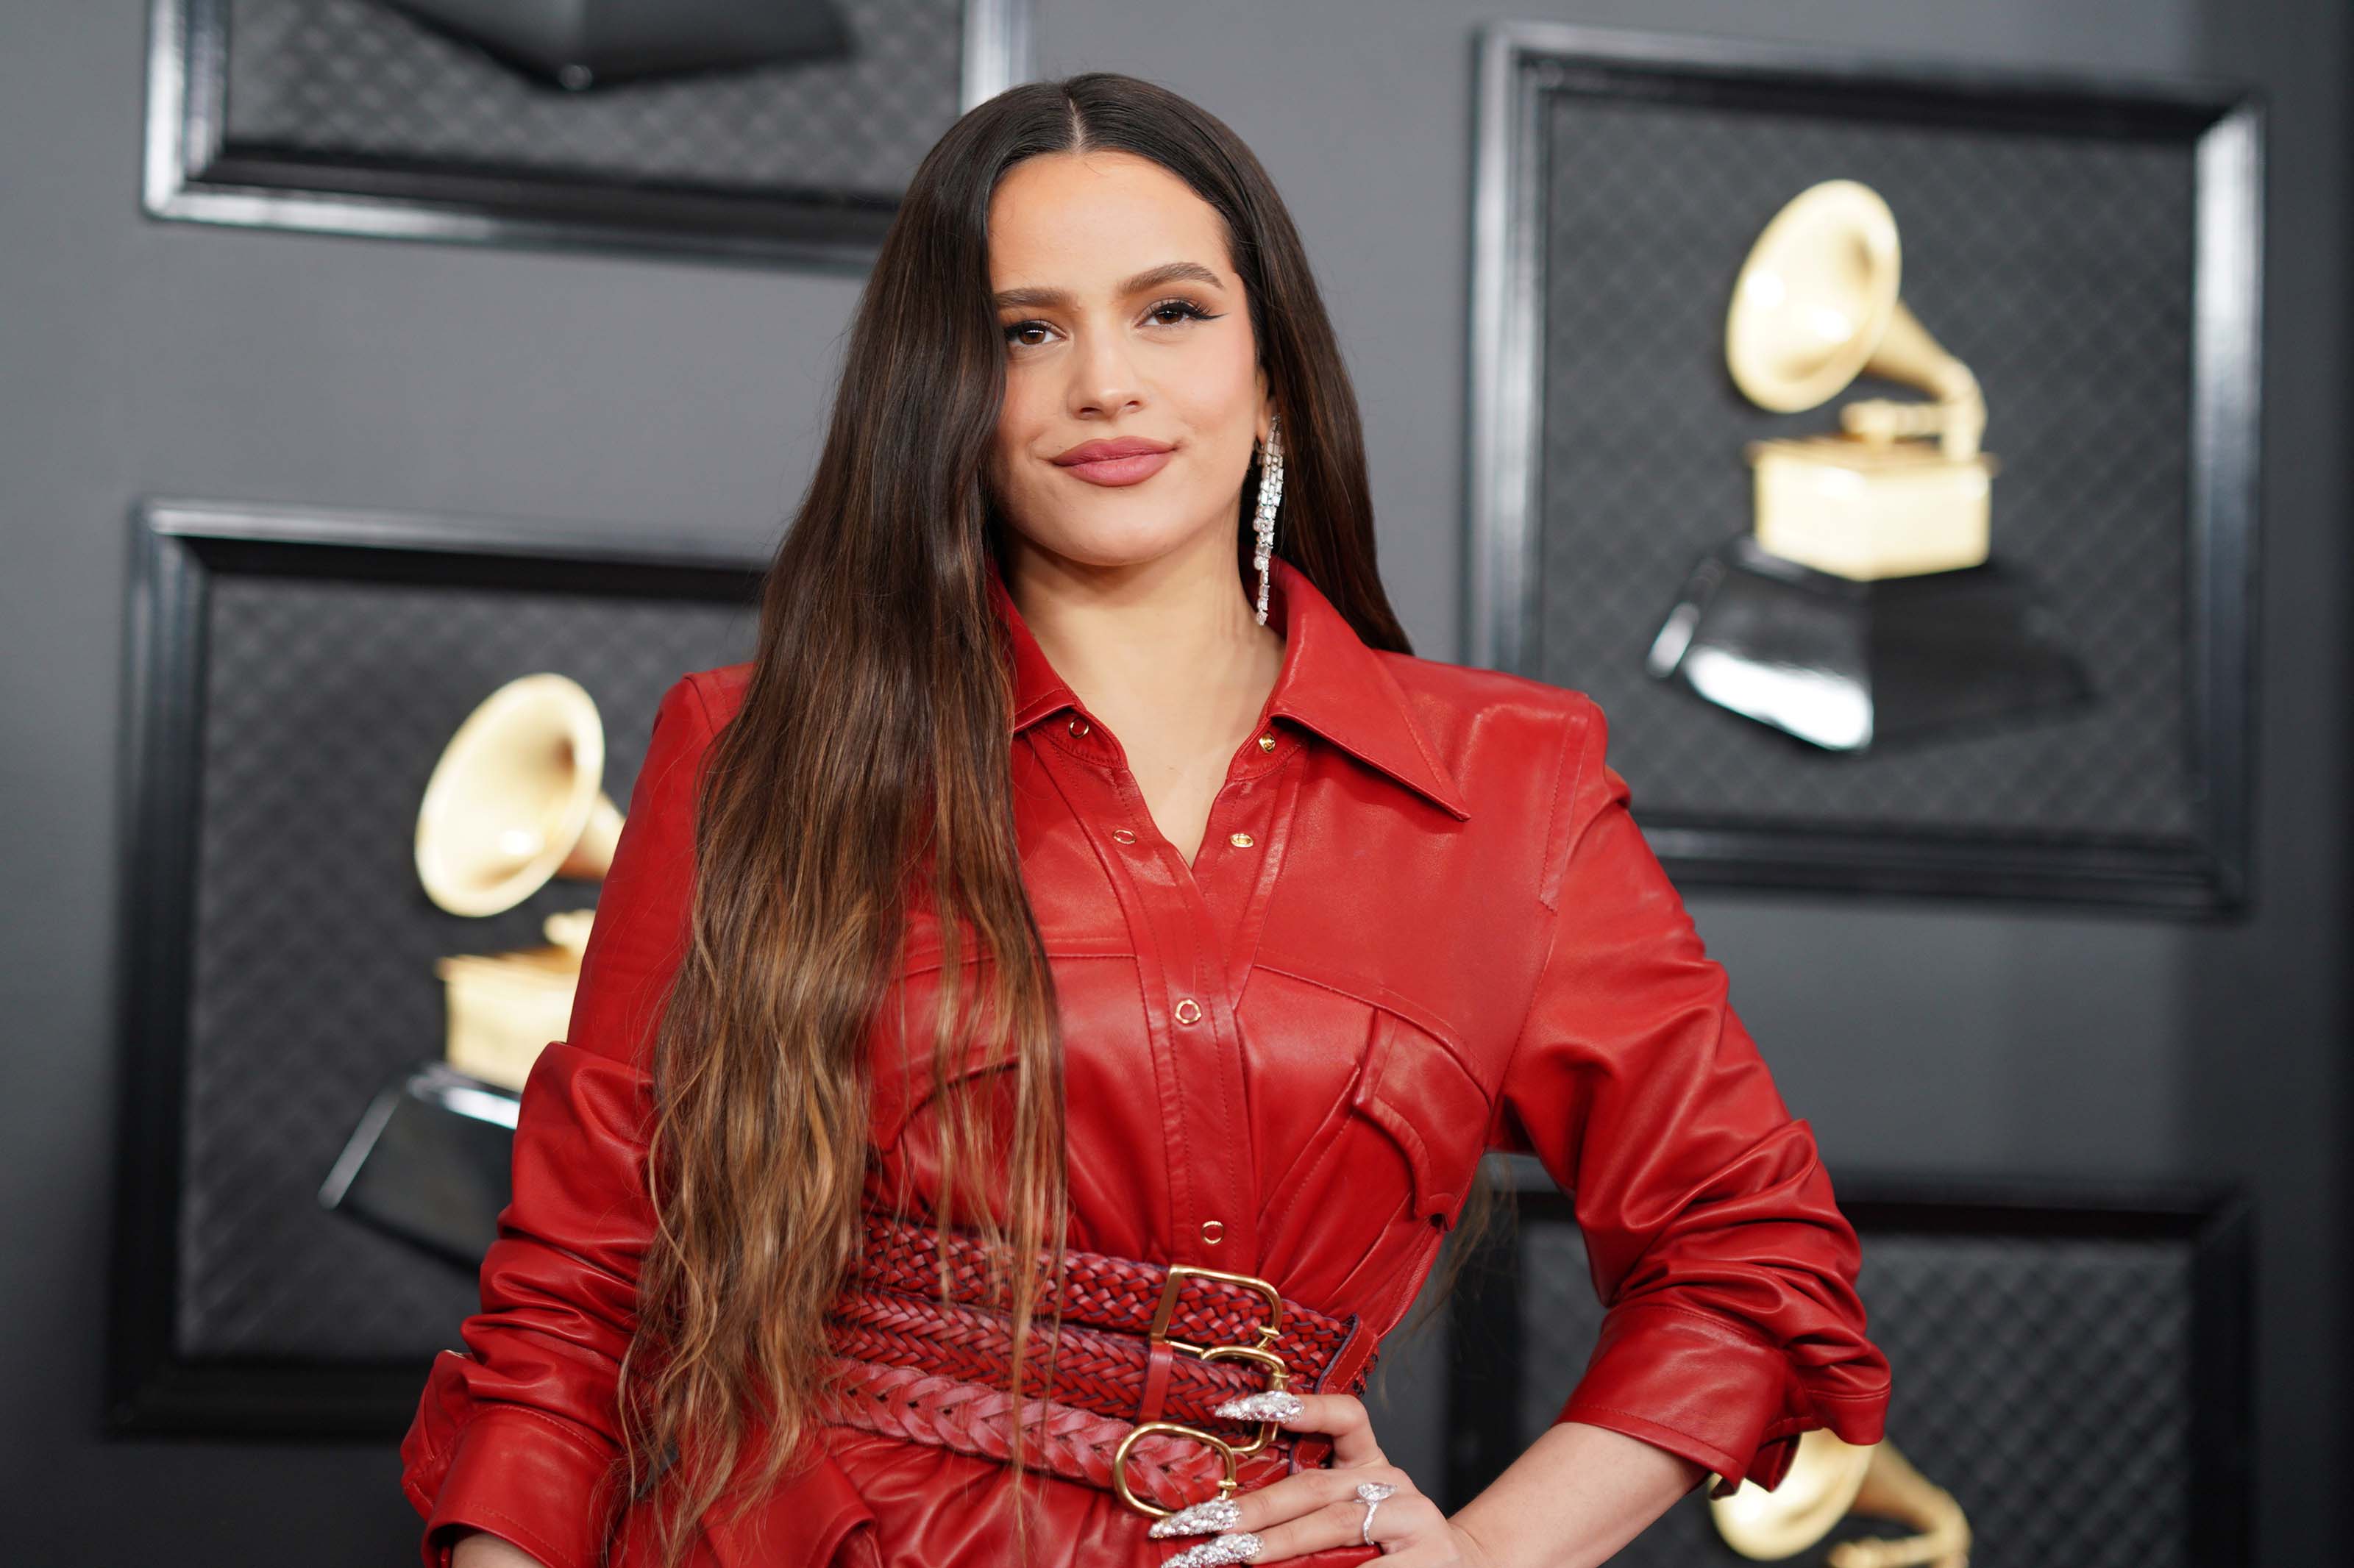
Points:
(1318, 1510)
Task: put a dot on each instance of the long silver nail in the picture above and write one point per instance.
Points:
(1200, 1519)
(1268, 1404)
(1240, 1546)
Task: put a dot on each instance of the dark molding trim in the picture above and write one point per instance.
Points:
(192, 173)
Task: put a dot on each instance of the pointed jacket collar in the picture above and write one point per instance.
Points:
(1331, 683)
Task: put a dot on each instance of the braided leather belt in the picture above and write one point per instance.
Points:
(1145, 1351)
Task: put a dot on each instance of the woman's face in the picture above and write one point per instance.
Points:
(1123, 322)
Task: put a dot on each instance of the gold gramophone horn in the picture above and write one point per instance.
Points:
(515, 799)
(1815, 306)
(1827, 1481)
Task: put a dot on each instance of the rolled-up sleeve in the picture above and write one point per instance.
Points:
(519, 1437)
(1727, 1272)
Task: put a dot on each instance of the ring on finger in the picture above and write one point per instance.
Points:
(1371, 1494)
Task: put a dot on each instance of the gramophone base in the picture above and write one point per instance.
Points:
(428, 1163)
(1846, 665)
(1871, 510)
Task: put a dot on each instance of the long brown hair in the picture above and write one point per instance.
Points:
(866, 779)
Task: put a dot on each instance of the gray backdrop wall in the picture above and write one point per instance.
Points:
(143, 357)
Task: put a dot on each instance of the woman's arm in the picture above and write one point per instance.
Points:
(476, 1550)
(1726, 1270)
(1576, 1495)
(517, 1438)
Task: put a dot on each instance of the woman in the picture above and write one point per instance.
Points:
(1072, 877)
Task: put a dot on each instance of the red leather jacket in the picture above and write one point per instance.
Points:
(1421, 924)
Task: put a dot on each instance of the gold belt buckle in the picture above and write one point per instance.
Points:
(1279, 1372)
(1277, 1376)
(1226, 1451)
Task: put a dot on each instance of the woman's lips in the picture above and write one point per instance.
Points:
(1129, 470)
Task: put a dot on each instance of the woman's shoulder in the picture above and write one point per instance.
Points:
(1479, 716)
(1525, 755)
(718, 691)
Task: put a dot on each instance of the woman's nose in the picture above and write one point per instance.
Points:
(1103, 375)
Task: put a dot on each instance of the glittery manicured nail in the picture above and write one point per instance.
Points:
(1200, 1519)
(1268, 1404)
(1241, 1546)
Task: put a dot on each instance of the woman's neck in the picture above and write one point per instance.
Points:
(1168, 656)
(1169, 645)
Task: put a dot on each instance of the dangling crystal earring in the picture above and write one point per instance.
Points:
(1270, 495)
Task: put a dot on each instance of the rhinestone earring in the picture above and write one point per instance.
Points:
(1270, 495)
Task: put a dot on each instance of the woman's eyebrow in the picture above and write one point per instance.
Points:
(1151, 278)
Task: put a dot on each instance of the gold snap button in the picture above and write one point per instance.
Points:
(1266, 743)
(1123, 836)
(1212, 1231)
(1189, 1010)
(1240, 840)
(1078, 727)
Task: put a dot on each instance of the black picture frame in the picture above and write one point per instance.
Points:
(2209, 1225)
(195, 171)
(2202, 870)
(181, 550)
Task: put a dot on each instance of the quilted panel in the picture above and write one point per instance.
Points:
(2043, 1381)
(353, 80)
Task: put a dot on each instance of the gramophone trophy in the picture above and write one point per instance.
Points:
(515, 800)
(1828, 1479)
(1864, 604)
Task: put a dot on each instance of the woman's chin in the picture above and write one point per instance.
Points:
(1108, 545)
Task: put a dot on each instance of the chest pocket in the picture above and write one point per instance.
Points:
(909, 1099)
(1419, 1094)
(898, 1047)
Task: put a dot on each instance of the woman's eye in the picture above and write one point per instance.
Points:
(1168, 313)
(1182, 309)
